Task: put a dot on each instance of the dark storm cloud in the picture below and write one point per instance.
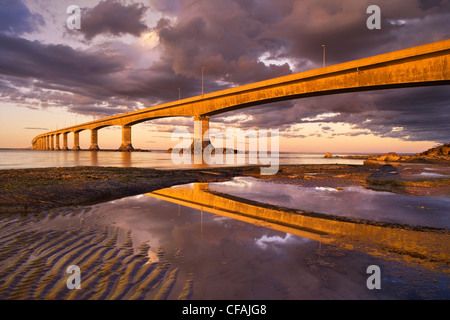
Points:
(55, 63)
(429, 4)
(85, 81)
(220, 36)
(57, 74)
(113, 18)
(16, 18)
(341, 26)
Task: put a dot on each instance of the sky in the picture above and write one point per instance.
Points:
(129, 55)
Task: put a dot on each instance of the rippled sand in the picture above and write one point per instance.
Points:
(35, 252)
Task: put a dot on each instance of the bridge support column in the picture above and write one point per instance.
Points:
(94, 140)
(57, 147)
(47, 143)
(126, 139)
(65, 147)
(201, 125)
(52, 142)
(76, 141)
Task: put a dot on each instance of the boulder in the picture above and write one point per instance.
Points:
(390, 157)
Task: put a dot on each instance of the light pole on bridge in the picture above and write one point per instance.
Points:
(323, 46)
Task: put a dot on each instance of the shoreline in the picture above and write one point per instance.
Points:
(36, 190)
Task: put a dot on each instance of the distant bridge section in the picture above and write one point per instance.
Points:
(427, 65)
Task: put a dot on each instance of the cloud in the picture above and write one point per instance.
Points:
(57, 74)
(221, 36)
(16, 18)
(113, 18)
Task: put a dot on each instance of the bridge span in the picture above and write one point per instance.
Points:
(426, 65)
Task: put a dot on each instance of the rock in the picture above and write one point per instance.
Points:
(328, 155)
(440, 154)
(392, 157)
(371, 163)
(389, 157)
(443, 150)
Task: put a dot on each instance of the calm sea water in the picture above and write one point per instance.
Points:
(20, 159)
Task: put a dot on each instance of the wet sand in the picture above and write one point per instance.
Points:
(38, 252)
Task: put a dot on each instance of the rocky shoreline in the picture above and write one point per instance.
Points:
(35, 190)
(437, 155)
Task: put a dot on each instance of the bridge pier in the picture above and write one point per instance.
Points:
(57, 148)
(47, 147)
(52, 142)
(201, 125)
(76, 141)
(94, 140)
(65, 147)
(126, 139)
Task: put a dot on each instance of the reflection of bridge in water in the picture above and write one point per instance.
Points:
(427, 246)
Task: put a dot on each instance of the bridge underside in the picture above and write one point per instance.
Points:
(427, 65)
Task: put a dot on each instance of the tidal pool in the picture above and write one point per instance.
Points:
(232, 240)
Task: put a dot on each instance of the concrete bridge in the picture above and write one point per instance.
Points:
(426, 65)
(430, 246)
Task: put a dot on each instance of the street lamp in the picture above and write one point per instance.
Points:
(179, 94)
(323, 46)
